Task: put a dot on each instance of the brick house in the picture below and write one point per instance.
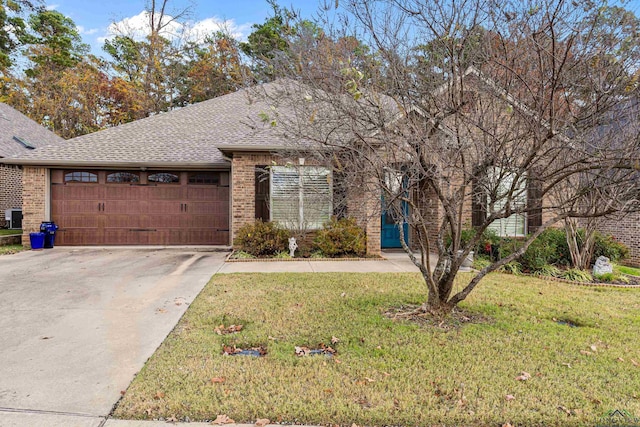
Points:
(186, 177)
(195, 175)
(18, 135)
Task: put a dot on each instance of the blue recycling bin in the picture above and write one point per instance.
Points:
(37, 241)
(49, 229)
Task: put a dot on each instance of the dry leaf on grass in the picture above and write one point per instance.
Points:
(217, 380)
(593, 347)
(222, 419)
(261, 422)
(585, 352)
(159, 395)
(334, 340)
(232, 329)
(509, 397)
(634, 363)
(507, 425)
(620, 359)
(524, 376)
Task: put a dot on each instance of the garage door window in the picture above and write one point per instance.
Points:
(80, 176)
(164, 178)
(123, 177)
(204, 178)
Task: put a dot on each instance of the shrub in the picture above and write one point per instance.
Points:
(341, 237)
(548, 271)
(612, 277)
(577, 275)
(262, 238)
(513, 267)
(481, 261)
(611, 248)
(550, 248)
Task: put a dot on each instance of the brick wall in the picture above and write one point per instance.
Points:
(363, 203)
(34, 196)
(627, 230)
(243, 198)
(10, 189)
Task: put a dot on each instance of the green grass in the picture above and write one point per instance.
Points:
(11, 249)
(391, 372)
(631, 271)
(6, 232)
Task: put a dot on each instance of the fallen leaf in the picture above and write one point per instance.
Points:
(336, 360)
(161, 310)
(46, 338)
(334, 340)
(524, 376)
(509, 398)
(222, 419)
(565, 410)
(328, 390)
(217, 380)
(633, 362)
(122, 392)
(261, 422)
(271, 338)
(620, 359)
(369, 379)
(302, 351)
(507, 425)
(159, 395)
(568, 365)
(585, 352)
(172, 419)
(344, 294)
(593, 347)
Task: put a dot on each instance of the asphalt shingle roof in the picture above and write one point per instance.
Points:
(15, 124)
(188, 135)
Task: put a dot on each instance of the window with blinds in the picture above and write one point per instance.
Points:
(301, 196)
(516, 224)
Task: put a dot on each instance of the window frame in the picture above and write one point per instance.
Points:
(129, 173)
(150, 181)
(502, 226)
(82, 173)
(215, 181)
(302, 179)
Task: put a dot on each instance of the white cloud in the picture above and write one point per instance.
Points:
(82, 30)
(138, 27)
(52, 6)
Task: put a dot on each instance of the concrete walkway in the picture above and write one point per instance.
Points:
(392, 262)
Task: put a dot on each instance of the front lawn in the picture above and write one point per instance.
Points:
(579, 346)
(7, 232)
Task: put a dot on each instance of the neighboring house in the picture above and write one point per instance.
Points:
(18, 136)
(192, 176)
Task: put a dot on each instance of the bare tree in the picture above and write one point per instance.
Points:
(474, 113)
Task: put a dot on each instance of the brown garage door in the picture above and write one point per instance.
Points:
(140, 208)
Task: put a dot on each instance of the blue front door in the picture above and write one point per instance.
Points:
(390, 235)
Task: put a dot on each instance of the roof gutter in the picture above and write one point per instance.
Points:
(117, 165)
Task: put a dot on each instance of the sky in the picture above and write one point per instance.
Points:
(95, 19)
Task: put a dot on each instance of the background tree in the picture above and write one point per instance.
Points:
(481, 113)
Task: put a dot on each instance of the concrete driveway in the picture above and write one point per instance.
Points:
(77, 324)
